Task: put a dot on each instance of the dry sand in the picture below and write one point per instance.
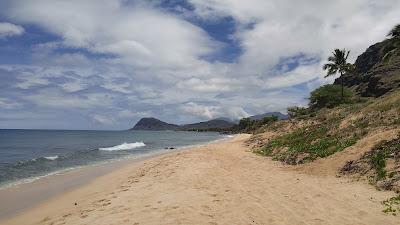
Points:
(221, 183)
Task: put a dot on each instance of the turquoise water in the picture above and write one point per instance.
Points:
(26, 154)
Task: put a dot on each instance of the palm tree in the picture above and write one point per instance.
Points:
(395, 35)
(338, 64)
(395, 32)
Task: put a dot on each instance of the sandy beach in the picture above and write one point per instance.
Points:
(219, 183)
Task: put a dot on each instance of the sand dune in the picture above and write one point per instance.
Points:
(221, 183)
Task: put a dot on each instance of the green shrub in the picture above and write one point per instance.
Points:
(245, 123)
(269, 119)
(296, 111)
(378, 161)
(249, 125)
(329, 96)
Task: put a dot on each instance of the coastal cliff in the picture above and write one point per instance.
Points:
(377, 70)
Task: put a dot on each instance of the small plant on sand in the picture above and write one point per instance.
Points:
(378, 161)
(392, 205)
(382, 152)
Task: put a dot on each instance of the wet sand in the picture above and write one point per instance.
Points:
(20, 197)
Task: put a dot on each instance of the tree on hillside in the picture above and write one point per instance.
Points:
(329, 96)
(338, 64)
(395, 32)
(395, 35)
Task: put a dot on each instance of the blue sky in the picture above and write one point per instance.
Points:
(104, 64)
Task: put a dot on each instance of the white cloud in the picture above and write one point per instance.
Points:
(212, 112)
(6, 103)
(73, 86)
(28, 82)
(102, 120)
(139, 56)
(209, 85)
(137, 35)
(133, 114)
(301, 74)
(207, 112)
(53, 98)
(271, 30)
(123, 87)
(9, 29)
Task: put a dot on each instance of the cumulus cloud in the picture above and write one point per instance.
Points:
(116, 55)
(202, 111)
(9, 29)
(270, 30)
(136, 34)
(211, 112)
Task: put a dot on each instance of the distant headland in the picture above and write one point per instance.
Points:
(217, 124)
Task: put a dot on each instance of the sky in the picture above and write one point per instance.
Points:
(104, 64)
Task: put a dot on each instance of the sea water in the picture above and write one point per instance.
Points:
(26, 155)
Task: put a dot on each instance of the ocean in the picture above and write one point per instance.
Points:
(26, 155)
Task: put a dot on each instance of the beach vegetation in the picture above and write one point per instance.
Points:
(296, 112)
(250, 125)
(306, 144)
(392, 205)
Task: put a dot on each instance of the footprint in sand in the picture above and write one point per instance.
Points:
(67, 215)
(45, 219)
(205, 207)
(102, 202)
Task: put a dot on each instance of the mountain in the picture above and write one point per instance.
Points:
(236, 121)
(208, 125)
(280, 116)
(378, 70)
(154, 124)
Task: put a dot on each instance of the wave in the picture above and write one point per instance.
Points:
(51, 157)
(124, 146)
(228, 136)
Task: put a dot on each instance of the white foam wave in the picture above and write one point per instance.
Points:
(51, 157)
(124, 146)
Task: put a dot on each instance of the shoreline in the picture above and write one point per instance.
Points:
(218, 183)
(20, 196)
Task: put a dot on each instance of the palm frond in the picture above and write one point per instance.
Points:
(395, 32)
(338, 63)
